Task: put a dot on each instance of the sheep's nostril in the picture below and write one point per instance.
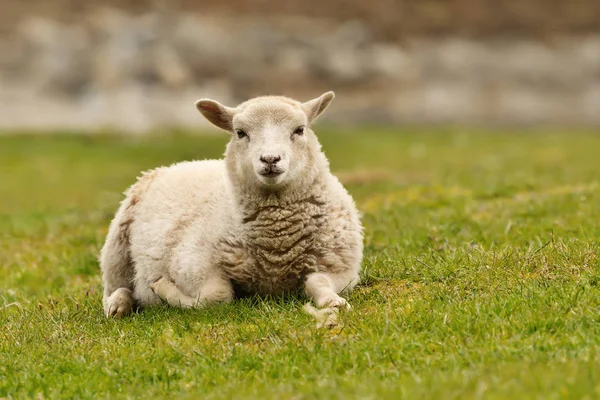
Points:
(270, 159)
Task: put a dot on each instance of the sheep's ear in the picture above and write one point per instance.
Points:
(216, 113)
(315, 107)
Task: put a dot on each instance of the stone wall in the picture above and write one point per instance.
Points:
(137, 71)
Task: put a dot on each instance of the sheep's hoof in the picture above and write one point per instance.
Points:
(340, 304)
(160, 287)
(156, 284)
(119, 304)
(325, 317)
(336, 302)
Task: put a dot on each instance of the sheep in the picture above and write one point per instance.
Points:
(269, 218)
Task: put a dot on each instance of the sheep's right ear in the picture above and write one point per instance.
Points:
(216, 113)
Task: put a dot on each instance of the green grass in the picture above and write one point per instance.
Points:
(481, 276)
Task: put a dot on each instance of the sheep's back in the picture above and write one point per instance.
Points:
(184, 202)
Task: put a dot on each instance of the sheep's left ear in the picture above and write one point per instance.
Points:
(216, 113)
(315, 107)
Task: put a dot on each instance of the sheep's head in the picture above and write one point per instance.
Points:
(272, 144)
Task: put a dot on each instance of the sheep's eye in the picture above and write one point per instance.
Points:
(299, 130)
(241, 134)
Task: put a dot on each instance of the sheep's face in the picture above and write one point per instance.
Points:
(271, 144)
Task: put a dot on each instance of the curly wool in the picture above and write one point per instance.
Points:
(281, 240)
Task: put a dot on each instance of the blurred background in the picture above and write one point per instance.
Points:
(138, 65)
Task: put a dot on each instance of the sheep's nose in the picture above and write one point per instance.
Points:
(271, 160)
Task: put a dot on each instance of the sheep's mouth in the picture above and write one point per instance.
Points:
(270, 173)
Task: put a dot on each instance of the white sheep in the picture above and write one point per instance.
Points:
(269, 218)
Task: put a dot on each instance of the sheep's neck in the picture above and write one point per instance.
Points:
(254, 202)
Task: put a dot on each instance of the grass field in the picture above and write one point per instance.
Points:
(481, 276)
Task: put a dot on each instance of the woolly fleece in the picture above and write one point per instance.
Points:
(267, 219)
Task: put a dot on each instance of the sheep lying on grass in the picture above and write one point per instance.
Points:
(269, 218)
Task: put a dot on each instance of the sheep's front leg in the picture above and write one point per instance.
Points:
(324, 288)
